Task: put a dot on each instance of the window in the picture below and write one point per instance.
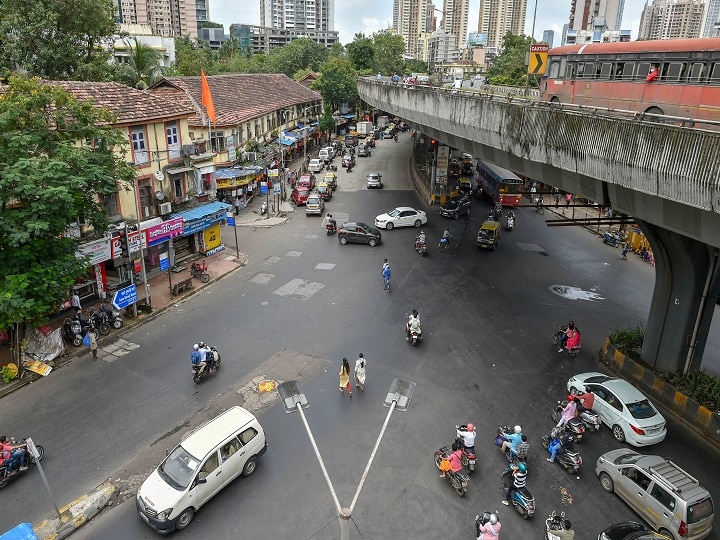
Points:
(674, 71)
(140, 153)
(642, 70)
(217, 141)
(715, 75)
(605, 70)
(110, 204)
(640, 478)
(173, 142)
(146, 205)
(571, 71)
(697, 72)
(230, 448)
(554, 70)
(209, 466)
(178, 184)
(663, 497)
(248, 435)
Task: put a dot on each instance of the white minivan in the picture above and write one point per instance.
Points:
(326, 154)
(206, 461)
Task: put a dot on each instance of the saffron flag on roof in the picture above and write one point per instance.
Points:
(206, 97)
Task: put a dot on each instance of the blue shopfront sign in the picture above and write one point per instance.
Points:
(200, 224)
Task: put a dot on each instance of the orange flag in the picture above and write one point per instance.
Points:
(206, 97)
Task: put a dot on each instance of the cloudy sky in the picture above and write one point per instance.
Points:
(368, 16)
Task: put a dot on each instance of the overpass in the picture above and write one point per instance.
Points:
(666, 177)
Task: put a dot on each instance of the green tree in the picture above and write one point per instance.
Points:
(509, 67)
(230, 48)
(48, 180)
(337, 83)
(191, 57)
(144, 68)
(389, 50)
(416, 66)
(327, 121)
(361, 53)
(302, 53)
(58, 39)
(337, 50)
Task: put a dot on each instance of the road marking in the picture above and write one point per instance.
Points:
(299, 288)
(325, 266)
(261, 278)
(117, 349)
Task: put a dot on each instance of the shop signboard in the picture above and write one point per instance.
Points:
(230, 219)
(276, 188)
(160, 233)
(232, 154)
(164, 261)
(199, 224)
(96, 251)
(124, 297)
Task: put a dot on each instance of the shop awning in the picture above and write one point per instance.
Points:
(178, 170)
(348, 116)
(201, 212)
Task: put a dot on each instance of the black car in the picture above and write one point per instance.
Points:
(456, 208)
(630, 530)
(359, 233)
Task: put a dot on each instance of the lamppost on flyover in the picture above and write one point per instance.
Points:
(293, 399)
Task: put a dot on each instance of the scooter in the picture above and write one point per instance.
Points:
(6, 477)
(395, 138)
(483, 519)
(100, 320)
(589, 418)
(212, 364)
(567, 458)
(511, 456)
(414, 336)
(421, 247)
(521, 499)
(612, 239)
(557, 339)
(554, 522)
(72, 330)
(469, 459)
(331, 228)
(459, 480)
(263, 208)
(575, 425)
(200, 270)
(113, 315)
(510, 223)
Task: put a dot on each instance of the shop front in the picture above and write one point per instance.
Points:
(156, 239)
(236, 186)
(201, 230)
(94, 284)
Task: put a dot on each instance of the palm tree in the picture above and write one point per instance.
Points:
(230, 48)
(144, 67)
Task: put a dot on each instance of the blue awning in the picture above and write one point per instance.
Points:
(236, 172)
(203, 211)
(348, 116)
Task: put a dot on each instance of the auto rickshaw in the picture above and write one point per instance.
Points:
(488, 236)
(465, 186)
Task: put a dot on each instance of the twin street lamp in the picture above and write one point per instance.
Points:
(293, 399)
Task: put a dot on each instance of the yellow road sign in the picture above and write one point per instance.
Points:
(538, 58)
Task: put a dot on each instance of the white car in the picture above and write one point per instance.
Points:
(316, 165)
(402, 216)
(622, 407)
(374, 180)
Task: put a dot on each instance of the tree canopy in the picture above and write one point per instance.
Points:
(47, 181)
(509, 67)
(389, 50)
(299, 54)
(337, 83)
(361, 53)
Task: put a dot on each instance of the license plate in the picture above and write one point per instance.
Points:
(471, 462)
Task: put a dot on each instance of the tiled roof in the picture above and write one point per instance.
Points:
(129, 104)
(237, 97)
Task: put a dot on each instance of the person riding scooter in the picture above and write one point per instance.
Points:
(196, 357)
(413, 324)
(420, 240)
(329, 222)
(204, 349)
(467, 434)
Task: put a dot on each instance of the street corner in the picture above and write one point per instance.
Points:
(76, 514)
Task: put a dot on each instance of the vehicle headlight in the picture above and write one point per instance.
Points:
(165, 514)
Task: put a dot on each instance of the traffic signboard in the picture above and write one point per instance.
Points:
(538, 58)
(125, 297)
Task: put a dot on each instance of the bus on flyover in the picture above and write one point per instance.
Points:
(500, 184)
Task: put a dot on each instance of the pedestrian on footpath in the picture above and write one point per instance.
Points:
(625, 250)
(75, 301)
(360, 372)
(568, 200)
(557, 200)
(93, 344)
(345, 377)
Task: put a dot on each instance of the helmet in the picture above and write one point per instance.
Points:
(493, 519)
(422, 232)
(415, 312)
(202, 344)
(570, 398)
(361, 355)
(196, 347)
(517, 429)
(522, 467)
(470, 427)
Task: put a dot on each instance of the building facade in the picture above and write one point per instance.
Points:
(263, 39)
(410, 21)
(164, 45)
(549, 37)
(455, 20)
(672, 19)
(711, 26)
(589, 14)
(498, 17)
(578, 37)
(179, 18)
(430, 18)
(301, 15)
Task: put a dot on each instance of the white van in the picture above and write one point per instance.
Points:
(326, 154)
(205, 461)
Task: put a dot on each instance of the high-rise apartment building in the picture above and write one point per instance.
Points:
(498, 17)
(455, 20)
(549, 37)
(410, 21)
(178, 18)
(591, 14)
(314, 15)
(711, 26)
(671, 19)
(431, 18)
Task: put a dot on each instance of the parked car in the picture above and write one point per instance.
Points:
(668, 498)
(359, 233)
(402, 216)
(630, 530)
(456, 208)
(324, 190)
(622, 407)
(374, 180)
(348, 159)
(330, 179)
(363, 150)
(300, 195)
(316, 165)
(314, 204)
(307, 181)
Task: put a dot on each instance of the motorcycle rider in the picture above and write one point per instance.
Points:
(204, 350)
(420, 240)
(566, 533)
(511, 216)
(522, 451)
(454, 459)
(559, 445)
(569, 331)
(413, 323)
(585, 401)
(513, 441)
(468, 437)
(10, 454)
(196, 357)
(489, 530)
(568, 412)
(519, 476)
(328, 220)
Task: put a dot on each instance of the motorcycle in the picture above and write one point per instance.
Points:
(512, 457)
(479, 193)
(6, 477)
(349, 167)
(72, 330)
(575, 425)
(212, 364)
(395, 137)
(482, 519)
(568, 459)
(459, 480)
(263, 208)
(100, 321)
(612, 239)
(521, 499)
(557, 339)
(331, 228)
(469, 458)
(200, 270)
(554, 522)
(420, 247)
(113, 316)
(510, 223)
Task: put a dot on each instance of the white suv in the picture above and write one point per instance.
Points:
(316, 165)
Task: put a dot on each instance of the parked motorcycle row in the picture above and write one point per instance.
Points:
(98, 321)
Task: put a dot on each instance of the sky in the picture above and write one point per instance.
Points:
(369, 16)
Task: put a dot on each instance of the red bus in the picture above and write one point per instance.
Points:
(500, 184)
(685, 79)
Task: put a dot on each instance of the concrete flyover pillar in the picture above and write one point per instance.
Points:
(687, 284)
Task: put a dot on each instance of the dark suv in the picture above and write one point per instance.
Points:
(359, 233)
(456, 208)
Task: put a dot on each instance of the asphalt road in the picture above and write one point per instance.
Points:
(487, 358)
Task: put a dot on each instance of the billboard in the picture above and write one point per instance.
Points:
(477, 38)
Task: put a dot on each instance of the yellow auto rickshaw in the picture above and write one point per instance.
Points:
(488, 236)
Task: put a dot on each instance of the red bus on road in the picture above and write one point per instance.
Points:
(500, 184)
(678, 77)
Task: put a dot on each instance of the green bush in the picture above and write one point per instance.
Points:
(703, 388)
(7, 374)
(628, 340)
